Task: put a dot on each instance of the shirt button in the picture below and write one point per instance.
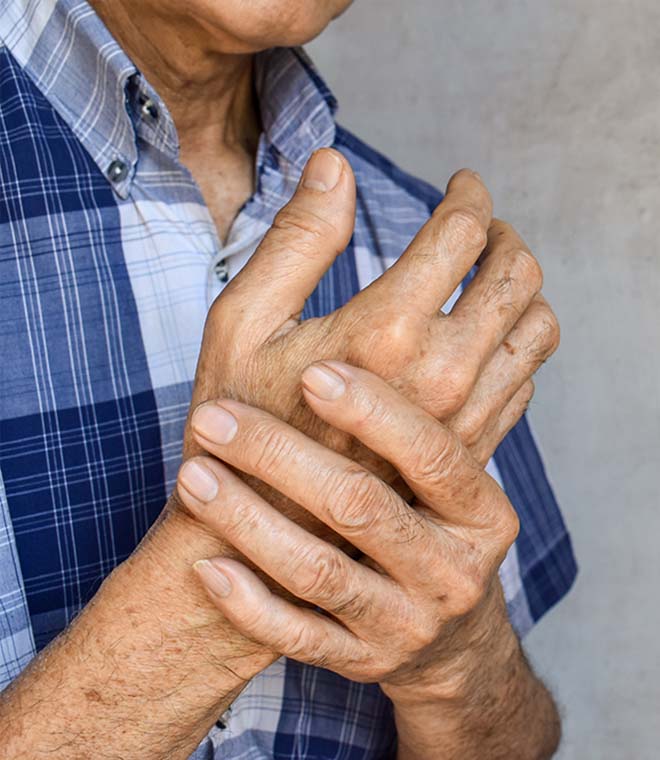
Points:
(222, 270)
(117, 171)
(149, 109)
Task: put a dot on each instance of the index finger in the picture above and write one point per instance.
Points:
(442, 253)
(429, 456)
(350, 500)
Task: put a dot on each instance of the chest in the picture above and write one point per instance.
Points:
(226, 179)
(104, 302)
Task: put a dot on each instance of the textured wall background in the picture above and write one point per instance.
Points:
(557, 105)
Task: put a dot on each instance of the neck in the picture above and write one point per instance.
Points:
(209, 93)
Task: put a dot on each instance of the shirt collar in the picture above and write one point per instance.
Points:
(297, 107)
(71, 56)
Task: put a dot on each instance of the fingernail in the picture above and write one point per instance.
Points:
(199, 481)
(322, 171)
(215, 423)
(213, 578)
(323, 382)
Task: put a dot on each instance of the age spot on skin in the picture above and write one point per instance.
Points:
(509, 348)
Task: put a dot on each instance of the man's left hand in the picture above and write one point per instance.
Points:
(424, 598)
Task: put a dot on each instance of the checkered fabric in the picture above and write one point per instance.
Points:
(109, 261)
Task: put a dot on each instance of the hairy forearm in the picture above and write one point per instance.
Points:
(517, 720)
(502, 710)
(144, 671)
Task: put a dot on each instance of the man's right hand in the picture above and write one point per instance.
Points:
(470, 369)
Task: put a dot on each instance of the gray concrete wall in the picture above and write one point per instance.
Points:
(557, 105)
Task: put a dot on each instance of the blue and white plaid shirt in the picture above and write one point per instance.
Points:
(109, 261)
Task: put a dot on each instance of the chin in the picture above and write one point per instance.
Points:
(243, 26)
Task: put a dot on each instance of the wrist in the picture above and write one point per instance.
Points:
(158, 587)
(457, 703)
(478, 654)
(146, 668)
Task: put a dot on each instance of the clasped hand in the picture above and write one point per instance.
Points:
(365, 504)
(428, 565)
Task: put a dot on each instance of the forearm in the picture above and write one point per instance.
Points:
(519, 720)
(501, 710)
(144, 671)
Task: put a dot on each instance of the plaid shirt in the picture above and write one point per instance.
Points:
(109, 261)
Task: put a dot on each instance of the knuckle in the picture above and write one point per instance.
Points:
(553, 330)
(547, 337)
(500, 289)
(519, 405)
(527, 394)
(358, 503)
(436, 458)
(441, 383)
(220, 327)
(528, 269)
(463, 227)
(351, 606)
(423, 631)
(468, 592)
(268, 447)
(359, 498)
(456, 386)
(242, 519)
(392, 338)
(250, 620)
(509, 527)
(371, 412)
(471, 426)
(298, 642)
(518, 274)
(504, 530)
(502, 228)
(319, 573)
(303, 228)
(399, 331)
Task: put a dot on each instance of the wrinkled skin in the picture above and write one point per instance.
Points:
(229, 26)
(470, 369)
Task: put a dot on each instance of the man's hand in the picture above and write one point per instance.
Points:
(484, 352)
(150, 663)
(422, 613)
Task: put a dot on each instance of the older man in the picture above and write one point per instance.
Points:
(333, 505)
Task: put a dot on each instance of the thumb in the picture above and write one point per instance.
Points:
(306, 237)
